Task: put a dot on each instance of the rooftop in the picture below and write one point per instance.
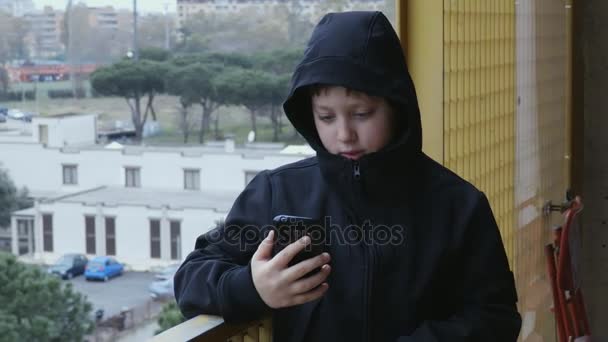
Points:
(220, 201)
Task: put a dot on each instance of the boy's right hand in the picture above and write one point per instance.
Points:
(281, 286)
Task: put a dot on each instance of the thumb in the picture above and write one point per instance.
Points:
(264, 251)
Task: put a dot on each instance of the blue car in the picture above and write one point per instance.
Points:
(103, 268)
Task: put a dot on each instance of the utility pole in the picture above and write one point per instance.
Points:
(167, 44)
(135, 48)
(70, 49)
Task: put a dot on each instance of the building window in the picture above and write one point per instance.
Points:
(249, 175)
(47, 232)
(132, 177)
(25, 235)
(110, 236)
(70, 174)
(192, 179)
(155, 239)
(176, 240)
(89, 224)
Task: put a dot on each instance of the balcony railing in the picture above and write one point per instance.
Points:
(207, 328)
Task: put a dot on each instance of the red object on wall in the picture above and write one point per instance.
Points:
(563, 266)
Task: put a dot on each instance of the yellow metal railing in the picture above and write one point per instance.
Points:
(209, 328)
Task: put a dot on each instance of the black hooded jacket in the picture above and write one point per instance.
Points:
(426, 261)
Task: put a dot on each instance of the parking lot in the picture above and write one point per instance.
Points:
(126, 291)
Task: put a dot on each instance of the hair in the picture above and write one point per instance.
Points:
(317, 89)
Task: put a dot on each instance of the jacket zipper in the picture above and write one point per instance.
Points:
(367, 257)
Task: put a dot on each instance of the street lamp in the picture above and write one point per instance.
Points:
(135, 50)
(70, 51)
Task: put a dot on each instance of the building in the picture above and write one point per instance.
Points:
(310, 9)
(108, 18)
(45, 40)
(144, 205)
(17, 8)
(44, 37)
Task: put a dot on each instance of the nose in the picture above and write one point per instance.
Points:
(345, 133)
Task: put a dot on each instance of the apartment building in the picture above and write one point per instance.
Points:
(44, 37)
(109, 18)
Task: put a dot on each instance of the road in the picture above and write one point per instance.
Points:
(126, 291)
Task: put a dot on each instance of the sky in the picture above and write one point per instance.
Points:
(145, 6)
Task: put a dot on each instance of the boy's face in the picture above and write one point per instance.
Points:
(351, 123)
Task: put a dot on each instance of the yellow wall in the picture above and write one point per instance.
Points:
(492, 81)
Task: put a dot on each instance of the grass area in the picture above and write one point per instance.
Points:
(233, 119)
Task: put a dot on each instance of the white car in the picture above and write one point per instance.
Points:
(15, 114)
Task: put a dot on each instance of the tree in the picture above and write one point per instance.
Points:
(35, 306)
(246, 31)
(155, 30)
(280, 88)
(280, 64)
(169, 317)
(89, 44)
(11, 199)
(278, 61)
(3, 81)
(298, 25)
(177, 84)
(194, 84)
(155, 54)
(250, 88)
(132, 81)
(332, 6)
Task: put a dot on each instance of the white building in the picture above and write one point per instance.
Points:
(144, 205)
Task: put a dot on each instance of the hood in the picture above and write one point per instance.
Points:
(360, 51)
(59, 268)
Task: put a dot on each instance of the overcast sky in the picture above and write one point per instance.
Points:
(142, 5)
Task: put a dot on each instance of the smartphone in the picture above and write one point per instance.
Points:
(289, 229)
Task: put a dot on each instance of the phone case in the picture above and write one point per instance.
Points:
(289, 229)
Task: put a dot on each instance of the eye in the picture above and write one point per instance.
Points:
(363, 115)
(325, 117)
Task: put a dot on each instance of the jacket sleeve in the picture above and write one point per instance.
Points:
(487, 293)
(216, 277)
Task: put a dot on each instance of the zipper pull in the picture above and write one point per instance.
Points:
(356, 171)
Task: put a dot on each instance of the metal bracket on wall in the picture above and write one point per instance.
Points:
(549, 207)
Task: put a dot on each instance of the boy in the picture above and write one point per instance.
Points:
(426, 262)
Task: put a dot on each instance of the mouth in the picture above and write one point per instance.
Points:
(354, 155)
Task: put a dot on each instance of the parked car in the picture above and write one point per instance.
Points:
(27, 116)
(15, 114)
(167, 272)
(3, 110)
(103, 268)
(162, 287)
(2, 117)
(69, 266)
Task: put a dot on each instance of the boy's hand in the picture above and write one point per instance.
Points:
(282, 286)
